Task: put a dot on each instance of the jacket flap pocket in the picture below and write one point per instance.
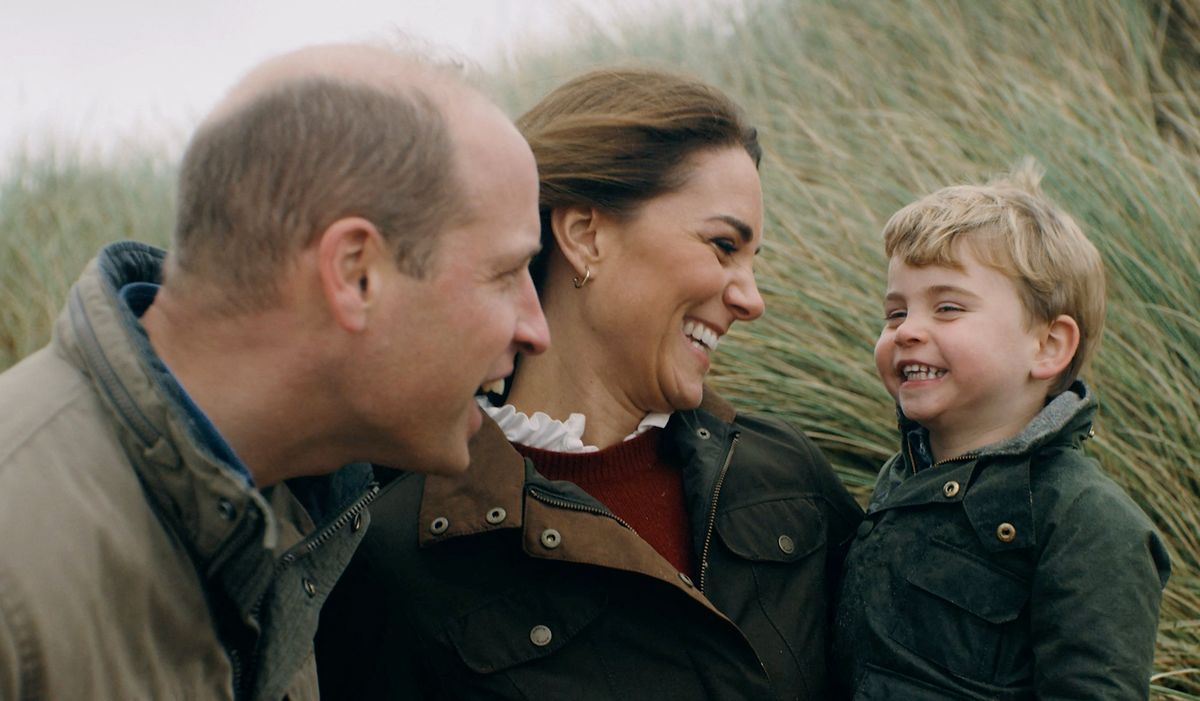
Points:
(780, 530)
(972, 585)
(520, 627)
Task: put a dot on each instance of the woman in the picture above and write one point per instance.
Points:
(621, 532)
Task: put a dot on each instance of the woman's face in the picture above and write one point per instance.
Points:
(674, 277)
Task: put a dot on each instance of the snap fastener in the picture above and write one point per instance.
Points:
(496, 515)
(1006, 532)
(540, 635)
(551, 539)
(703, 433)
(950, 489)
(686, 579)
(1091, 432)
(356, 526)
(309, 587)
(226, 509)
(787, 545)
(439, 525)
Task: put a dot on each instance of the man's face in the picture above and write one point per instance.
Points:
(461, 325)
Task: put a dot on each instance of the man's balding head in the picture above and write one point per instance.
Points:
(307, 139)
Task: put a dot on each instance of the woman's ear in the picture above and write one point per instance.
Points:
(349, 254)
(1057, 347)
(575, 233)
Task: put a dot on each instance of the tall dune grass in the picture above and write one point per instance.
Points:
(864, 106)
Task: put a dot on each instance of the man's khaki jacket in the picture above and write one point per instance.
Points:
(134, 562)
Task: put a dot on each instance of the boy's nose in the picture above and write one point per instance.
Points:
(909, 331)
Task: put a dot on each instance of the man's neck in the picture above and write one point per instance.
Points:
(234, 369)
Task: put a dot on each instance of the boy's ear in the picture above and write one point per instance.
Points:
(1058, 343)
(349, 254)
(575, 233)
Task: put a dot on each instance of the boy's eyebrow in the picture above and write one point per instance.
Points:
(935, 290)
(954, 290)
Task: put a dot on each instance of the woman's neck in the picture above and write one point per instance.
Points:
(547, 384)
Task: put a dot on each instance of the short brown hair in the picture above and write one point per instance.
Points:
(258, 184)
(614, 138)
(1013, 227)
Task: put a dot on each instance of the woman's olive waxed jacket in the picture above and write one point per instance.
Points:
(500, 584)
(1017, 572)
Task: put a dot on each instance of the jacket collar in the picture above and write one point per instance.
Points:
(228, 526)
(501, 490)
(993, 483)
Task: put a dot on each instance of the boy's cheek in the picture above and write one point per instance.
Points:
(883, 364)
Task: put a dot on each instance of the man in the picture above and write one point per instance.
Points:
(349, 264)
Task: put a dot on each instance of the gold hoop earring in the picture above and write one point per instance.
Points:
(587, 274)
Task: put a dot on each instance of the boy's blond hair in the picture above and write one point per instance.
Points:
(1012, 226)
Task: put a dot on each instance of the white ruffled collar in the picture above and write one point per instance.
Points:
(542, 431)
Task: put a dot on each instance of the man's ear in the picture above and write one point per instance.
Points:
(349, 254)
(1059, 340)
(575, 233)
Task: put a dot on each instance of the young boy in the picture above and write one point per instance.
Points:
(997, 561)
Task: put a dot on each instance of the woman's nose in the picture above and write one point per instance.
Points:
(743, 298)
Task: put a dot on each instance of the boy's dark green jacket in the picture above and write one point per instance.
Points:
(1017, 572)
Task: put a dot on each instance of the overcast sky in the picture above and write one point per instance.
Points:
(94, 75)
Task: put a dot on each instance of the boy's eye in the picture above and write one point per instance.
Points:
(895, 315)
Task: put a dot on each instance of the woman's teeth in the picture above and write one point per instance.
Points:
(701, 334)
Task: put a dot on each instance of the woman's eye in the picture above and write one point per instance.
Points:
(726, 245)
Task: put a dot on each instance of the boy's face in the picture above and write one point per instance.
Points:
(956, 354)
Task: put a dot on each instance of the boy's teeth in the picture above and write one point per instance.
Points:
(700, 333)
(494, 387)
(921, 372)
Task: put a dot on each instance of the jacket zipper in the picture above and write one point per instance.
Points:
(575, 506)
(290, 557)
(712, 511)
(967, 456)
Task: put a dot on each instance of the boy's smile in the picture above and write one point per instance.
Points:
(956, 352)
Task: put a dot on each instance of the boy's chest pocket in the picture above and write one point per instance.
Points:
(962, 613)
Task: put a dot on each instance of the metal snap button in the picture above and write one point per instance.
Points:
(950, 489)
(496, 515)
(551, 539)
(786, 544)
(1006, 532)
(686, 579)
(703, 433)
(309, 587)
(356, 526)
(439, 525)
(226, 509)
(540, 635)
(1091, 432)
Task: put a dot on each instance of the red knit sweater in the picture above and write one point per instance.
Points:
(637, 481)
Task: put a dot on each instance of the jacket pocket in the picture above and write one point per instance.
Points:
(879, 684)
(960, 607)
(780, 530)
(520, 627)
